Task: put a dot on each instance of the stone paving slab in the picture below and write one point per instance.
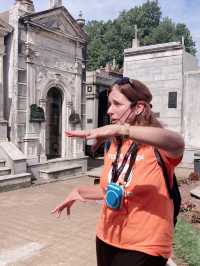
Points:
(31, 236)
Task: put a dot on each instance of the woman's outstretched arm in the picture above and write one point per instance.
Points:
(169, 141)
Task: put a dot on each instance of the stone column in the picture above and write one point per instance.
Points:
(68, 142)
(78, 145)
(92, 104)
(42, 140)
(3, 122)
(31, 139)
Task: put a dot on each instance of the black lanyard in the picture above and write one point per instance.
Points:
(117, 171)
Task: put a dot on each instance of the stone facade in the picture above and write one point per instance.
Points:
(5, 29)
(97, 84)
(44, 72)
(173, 78)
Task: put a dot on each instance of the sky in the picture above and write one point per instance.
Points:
(180, 11)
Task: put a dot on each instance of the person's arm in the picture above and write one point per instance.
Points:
(169, 141)
(90, 192)
(82, 193)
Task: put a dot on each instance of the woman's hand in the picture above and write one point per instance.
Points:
(81, 193)
(68, 202)
(101, 132)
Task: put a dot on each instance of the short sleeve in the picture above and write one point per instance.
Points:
(170, 163)
(169, 160)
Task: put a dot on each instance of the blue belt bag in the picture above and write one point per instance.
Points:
(114, 196)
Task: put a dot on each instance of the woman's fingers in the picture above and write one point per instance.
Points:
(77, 133)
(65, 205)
(101, 132)
(81, 134)
(69, 207)
(58, 213)
(55, 210)
(68, 210)
(58, 210)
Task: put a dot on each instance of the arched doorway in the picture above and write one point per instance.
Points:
(103, 118)
(54, 124)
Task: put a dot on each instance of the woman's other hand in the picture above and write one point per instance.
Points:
(67, 203)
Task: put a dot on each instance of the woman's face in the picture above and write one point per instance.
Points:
(119, 110)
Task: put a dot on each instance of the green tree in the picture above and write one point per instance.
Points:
(182, 30)
(96, 49)
(168, 31)
(164, 32)
(107, 40)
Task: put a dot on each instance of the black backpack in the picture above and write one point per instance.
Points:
(173, 191)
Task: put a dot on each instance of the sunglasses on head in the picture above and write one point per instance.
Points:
(123, 81)
(126, 80)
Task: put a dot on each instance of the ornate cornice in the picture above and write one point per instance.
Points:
(148, 49)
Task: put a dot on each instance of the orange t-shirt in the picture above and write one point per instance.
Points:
(145, 221)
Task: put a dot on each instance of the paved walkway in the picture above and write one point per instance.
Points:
(31, 236)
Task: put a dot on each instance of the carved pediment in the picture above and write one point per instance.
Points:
(58, 24)
(58, 20)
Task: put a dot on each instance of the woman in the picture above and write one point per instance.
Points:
(136, 222)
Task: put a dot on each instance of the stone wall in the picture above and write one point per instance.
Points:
(161, 70)
(97, 84)
(168, 68)
(5, 29)
(191, 110)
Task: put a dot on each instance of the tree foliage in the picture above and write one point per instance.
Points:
(107, 40)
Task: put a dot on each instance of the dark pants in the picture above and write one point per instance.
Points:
(108, 255)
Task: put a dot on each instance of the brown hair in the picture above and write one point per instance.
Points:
(134, 91)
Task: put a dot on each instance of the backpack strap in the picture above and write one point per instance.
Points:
(164, 170)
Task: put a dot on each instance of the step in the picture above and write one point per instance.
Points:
(96, 174)
(5, 171)
(11, 182)
(2, 163)
(60, 172)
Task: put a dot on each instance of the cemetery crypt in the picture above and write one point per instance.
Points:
(42, 77)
